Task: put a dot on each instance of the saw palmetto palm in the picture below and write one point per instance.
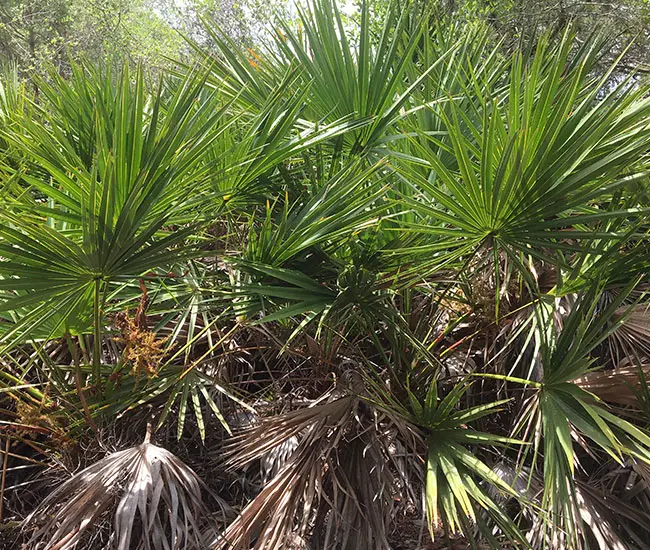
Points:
(421, 257)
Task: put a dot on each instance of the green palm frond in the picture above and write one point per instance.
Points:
(530, 169)
(561, 414)
(455, 500)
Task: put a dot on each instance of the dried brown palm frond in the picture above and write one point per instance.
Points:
(339, 483)
(620, 492)
(620, 385)
(270, 463)
(155, 499)
(643, 470)
(599, 515)
(631, 338)
(600, 512)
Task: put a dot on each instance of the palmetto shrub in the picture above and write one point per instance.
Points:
(371, 286)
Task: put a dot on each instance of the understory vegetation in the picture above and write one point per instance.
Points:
(371, 286)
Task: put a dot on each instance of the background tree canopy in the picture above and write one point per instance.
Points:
(35, 33)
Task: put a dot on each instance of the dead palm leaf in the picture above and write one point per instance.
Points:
(620, 385)
(599, 512)
(339, 483)
(155, 498)
(631, 338)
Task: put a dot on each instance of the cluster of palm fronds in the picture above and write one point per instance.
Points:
(371, 287)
